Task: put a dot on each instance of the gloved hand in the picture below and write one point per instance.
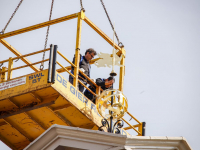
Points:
(82, 70)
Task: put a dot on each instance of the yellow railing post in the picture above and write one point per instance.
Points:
(77, 51)
(140, 129)
(3, 75)
(10, 66)
(0, 75)
(122, 72)
(98, 92)
(139, 133)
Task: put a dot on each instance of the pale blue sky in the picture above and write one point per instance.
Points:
(162, 42)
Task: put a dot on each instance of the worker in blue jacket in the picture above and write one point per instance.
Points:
(104, 83)
(84, 66)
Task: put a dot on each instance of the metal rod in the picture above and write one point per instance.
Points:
(77, 50)
(31, 54)
(60, 70)
(28, 65)
(13, 50)
(86, 87)
(65, 69)
(88, 78)
(135, 126)
(54, 63)
(102, 34)
(50, 63)
(3, 61)
(134, 117)
(122, 73)
(69, 67)
(131, 126)
(37, 26)
(25, 55)
(3, 74)
(66, 59)
(10, 66)
(78, 80)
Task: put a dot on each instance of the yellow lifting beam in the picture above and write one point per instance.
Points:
(37, 26)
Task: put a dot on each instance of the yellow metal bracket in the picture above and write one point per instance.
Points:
(82, 15)
(10, 66)
(3, 74)
(123, 51)
(140, 125)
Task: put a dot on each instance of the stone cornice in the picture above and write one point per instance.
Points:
(91, 139)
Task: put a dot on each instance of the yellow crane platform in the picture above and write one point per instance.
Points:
(31, 103)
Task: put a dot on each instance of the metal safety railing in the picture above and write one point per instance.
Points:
(6, 75)
(6, 72)
(87, 79)
(141, 125)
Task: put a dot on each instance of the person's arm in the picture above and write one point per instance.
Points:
(109, 82)
(101, 82)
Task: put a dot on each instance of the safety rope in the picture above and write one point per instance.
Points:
(119, 43)
(47, 34)
(82, 6)
(2, 32)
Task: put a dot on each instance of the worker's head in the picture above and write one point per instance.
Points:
(109, 82)
(89, 54)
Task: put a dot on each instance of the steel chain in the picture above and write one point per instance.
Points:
(119, 43)
(1, 64)
(47, 34)
(82, 6)
(2, 32)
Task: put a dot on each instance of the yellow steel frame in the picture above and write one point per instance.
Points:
(78, 43)
(12, 49)
(37, 26)
(81, 16)
(10, 66)
(3, 74)
(139, 125)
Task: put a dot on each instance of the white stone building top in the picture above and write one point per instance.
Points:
(59, 137)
